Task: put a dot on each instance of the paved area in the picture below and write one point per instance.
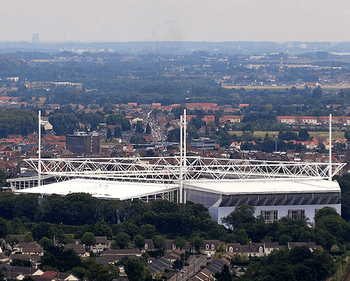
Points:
(195, 263)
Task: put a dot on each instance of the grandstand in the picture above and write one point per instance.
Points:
(275, 189)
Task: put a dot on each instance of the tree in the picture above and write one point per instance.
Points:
(197, 122)
(180, 242)
(173, 135)
(178, 264)
(241, 217)
(147, 231)
(334, 249)
(28, 237)
(159, 242)
(27, 278)
(317, 93)
(43, 229)
(101, 228)
(122, 240)
(304, 135)
(88, 239)
(4, 227)
(45, 243)
(240, 259)
(63, 260)
(284, 239)
(3, 176)
(324, 212)
(79, 272)
(100, 272)
(135, 269)
(137, 139)
(129, 228)
(347, 135)
(139, 241)
(139, 127)
(109, 133)
(148, 129)
(21, 262)
(197, 242)
(268, 145)
(224, 275)
(117, 132)
(64, 123)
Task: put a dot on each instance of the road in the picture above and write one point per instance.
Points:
(195, 263)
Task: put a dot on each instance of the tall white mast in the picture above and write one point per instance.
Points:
(181, 161)
(39, 149)
(184, 160)
(330, 147)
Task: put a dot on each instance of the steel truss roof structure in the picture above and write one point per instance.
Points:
(170, 169)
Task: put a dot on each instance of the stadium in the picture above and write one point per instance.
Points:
(275, 189)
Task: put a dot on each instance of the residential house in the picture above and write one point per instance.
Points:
(309, 120)
(253, 249)
(210, 247)
(208, 118)
(207, 273)
(311, 245)
(231, 118)
(271, 246)
(78, 248)
(235, 145)
(111, 256)
(159, 265)
(173, 255)
(203, 106)
(149, 245)
(34, 259)
(19, 272)
(101, 244)
(170, 245)
(290, 120)
(29, 248)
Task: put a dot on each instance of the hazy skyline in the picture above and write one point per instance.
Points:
(165, 20)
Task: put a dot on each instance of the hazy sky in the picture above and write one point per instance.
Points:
(175, 20)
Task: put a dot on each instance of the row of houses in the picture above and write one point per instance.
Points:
(108, 255)
(289, 120)
(21, 272)
(32, 252)
(310, 144)
(313, 120)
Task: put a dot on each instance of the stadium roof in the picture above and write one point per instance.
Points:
(128, 190)
(101, 188)
(229, 187)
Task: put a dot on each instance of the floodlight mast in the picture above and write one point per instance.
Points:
(183, 129)
(181, 156)
(184, 151)
(330, 148)
(39, 148)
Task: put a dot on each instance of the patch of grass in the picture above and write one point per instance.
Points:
(324, 135)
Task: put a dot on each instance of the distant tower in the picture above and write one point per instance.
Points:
(35, 38)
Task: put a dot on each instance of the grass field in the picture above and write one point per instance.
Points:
(322, 135)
